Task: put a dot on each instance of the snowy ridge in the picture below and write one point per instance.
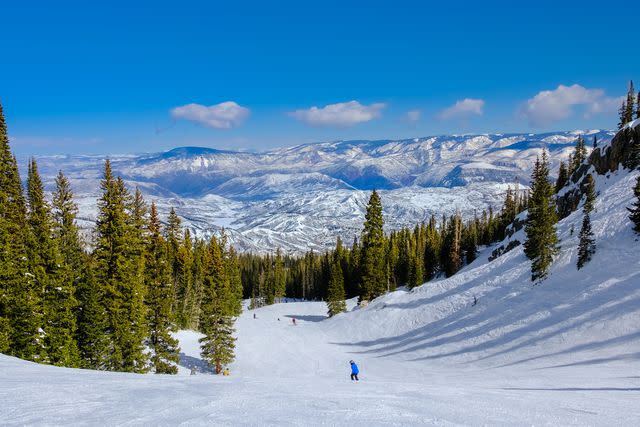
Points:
(302, 197)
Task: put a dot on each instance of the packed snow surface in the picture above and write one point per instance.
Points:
(563, 352)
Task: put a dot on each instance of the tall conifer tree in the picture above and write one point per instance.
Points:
(452, 246)
(19, 298)
(186, 314)
(55, 282)
(91, 325)
(118, 267)
(373, 282)
(587, 244)
(630, 103)
(622, 114)
(541, 245)
(335, 291)
(93, 333)
(563, 177)
(159, 300)
(280, 285)
(579, 155)
(590, 194)
(216, 321)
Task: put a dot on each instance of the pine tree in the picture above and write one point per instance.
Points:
(595, 141)
(509, 211)
(622, 112)
(416, 277)
(452, 246)
(373, 279)
(58, 302)
(198, 271)
(633, 161)
(587, 245)
(279, 277)
(235, 282)
(563, 177)
(119, 267)
(335, 292)
(470, 241)
(579, 156)
(590, 194)
(216, 322)
(159, 300)
(542, 241)
(173, 233)
(92, 333)
(630, 104)
(66, 231)
(638, 106)
(635, 210)
(19, 299)
(187, 314)
(403, 266)
(431, 250)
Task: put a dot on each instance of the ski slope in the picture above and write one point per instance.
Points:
(563, 352)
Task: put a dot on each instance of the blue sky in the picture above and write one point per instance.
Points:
(76, 78)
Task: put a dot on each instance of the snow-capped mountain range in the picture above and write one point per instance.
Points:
(302, 197)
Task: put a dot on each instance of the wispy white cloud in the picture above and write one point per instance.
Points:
(340, 115)
(413, 116)
(465, 108)
(225, 115)
(549, 106)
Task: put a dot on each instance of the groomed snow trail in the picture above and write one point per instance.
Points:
(564, 352)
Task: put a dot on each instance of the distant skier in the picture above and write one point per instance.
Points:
(226, 372)
(254, 315)
(354, 371)
(293, 319)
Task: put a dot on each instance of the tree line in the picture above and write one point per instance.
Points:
(376, 262)
(113, 307)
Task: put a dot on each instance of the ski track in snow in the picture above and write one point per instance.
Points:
(563, 352)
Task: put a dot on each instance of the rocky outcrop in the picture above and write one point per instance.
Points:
(602, 160)
(608, 158)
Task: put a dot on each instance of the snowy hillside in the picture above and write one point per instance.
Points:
(300, 198)
(564, 352)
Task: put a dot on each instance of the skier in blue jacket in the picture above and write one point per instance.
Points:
(354, 371)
